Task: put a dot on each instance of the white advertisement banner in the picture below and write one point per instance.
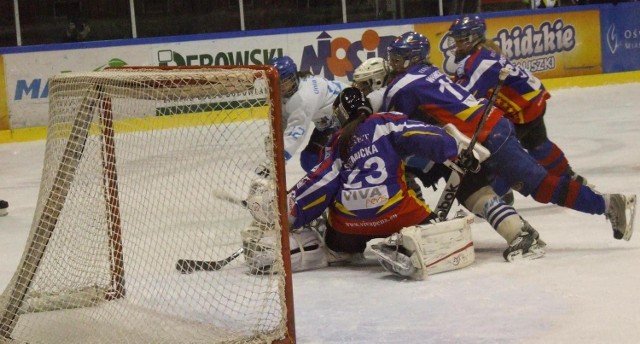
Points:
(333, 54)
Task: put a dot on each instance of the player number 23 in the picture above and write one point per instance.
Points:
(376, 163)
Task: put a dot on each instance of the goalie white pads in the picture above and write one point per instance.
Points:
(479, 151)
(259, 243)
(423, 250)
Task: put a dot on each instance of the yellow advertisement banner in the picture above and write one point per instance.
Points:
(4, 107)
(550, 45)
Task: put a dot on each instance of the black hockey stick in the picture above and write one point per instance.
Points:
(501, 78)
(455, 178)
(187, 266)
(225, 196)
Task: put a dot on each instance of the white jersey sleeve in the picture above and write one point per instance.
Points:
(311, 103)
(375, 99)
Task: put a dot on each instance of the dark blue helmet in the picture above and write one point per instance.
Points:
(349, 104)
(466, 33)
(407, 50)
(288, 71)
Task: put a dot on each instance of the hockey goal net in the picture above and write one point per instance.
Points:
(145, 166)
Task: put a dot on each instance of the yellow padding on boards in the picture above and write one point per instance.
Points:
(39, 133)
(149, 123)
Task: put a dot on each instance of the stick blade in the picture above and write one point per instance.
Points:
(185, 266)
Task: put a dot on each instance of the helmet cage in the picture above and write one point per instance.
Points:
(348, 104)
(340, 114)
(289, 85)
(288, 71)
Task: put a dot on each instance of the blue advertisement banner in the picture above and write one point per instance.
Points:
(620, 37)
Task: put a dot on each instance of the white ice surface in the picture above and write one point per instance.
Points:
(586, 289)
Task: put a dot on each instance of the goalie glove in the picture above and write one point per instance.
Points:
(263, 170)
(261, 201)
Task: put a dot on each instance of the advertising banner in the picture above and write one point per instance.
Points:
(27, 75)
(333, 54)
(555, 44)
(620, 38)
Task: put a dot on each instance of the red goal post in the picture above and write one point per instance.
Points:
(134, 158)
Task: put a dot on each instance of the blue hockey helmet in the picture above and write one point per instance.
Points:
(465, 33)
(288, 71)
(349, 104)
(409, 49)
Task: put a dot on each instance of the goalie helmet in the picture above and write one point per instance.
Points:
(288, 71)
(371, 75)
(349, 104)
(408, 50)
(465, 33)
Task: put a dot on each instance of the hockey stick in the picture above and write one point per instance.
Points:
(187, 266)
(501, 78)
(224, 196)
(455, 178)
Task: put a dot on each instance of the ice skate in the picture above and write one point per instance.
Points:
(4, 207)
(525, 246)
(621, 210)
(394, 259)
(526, 227)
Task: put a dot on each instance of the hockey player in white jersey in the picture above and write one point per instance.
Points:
(306, 99)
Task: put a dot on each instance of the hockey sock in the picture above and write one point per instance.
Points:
(551, 157)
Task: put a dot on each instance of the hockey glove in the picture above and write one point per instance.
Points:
(468, 161)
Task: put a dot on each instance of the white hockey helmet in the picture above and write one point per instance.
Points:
(371, 75)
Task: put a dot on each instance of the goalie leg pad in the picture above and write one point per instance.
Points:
(307, 250)
(432, 248)
(259, 242)
(442, 246)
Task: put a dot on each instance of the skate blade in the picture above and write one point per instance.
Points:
(534, 252)
(631, 209)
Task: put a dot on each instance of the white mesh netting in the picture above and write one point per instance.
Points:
(117, 210)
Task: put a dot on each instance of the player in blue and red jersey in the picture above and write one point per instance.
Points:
(422, 91)
(522, 98)
(361, 181)
(474, 192)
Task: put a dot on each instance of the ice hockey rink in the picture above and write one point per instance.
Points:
(585, 290)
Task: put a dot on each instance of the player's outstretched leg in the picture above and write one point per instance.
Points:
(621, 210)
